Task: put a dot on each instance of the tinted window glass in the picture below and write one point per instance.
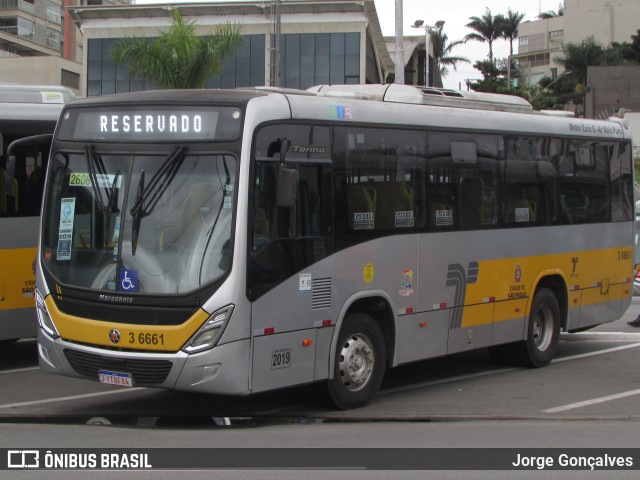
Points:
(379, 182)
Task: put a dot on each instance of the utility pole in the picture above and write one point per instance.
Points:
(399, 55)
(274, 70)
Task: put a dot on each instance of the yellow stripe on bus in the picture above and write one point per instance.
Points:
(591, 277)
(17, 280)
(166, 338)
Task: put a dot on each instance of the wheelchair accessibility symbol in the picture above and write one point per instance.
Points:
(128, 280)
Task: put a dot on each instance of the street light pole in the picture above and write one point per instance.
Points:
(566, 72)
(399, 54)
(427, 44)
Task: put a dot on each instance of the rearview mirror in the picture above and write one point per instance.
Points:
(287, 186)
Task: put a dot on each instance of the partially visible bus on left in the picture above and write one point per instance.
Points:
(25, 110)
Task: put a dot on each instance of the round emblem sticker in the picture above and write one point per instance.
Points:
(114, 336)
(367, 273)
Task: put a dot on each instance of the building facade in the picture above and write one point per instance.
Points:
(541, 41)
(320, 42)
(39, 44)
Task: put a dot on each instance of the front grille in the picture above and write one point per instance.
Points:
(144, 372)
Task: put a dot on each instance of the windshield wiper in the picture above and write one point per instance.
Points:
(94, 162)
(225, 191)
(147, 198)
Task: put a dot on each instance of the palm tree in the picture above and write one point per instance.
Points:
(487, 29)
(178, 58)
(552, 14)
(442, 53)
(510, 32)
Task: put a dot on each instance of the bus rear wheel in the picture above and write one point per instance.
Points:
(543, 333)
(359, 363)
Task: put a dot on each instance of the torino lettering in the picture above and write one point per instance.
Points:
(150, 123)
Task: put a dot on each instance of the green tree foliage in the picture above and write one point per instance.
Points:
(552, 14)
(494, 76)
(509, 27)
(442, 55)
(178, 58)
(630, 52)
(487, 29)
(577, 57)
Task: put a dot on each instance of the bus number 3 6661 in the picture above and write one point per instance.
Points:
(147, 338)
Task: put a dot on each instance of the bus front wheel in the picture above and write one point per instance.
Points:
(360, 359)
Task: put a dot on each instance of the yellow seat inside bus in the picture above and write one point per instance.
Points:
(361, 198)
(392, 198)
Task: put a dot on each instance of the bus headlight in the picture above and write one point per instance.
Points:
(44, 319)
(210, 332)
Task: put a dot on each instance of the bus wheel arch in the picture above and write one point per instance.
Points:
(556, 283)
(363, 345)
(547, 314)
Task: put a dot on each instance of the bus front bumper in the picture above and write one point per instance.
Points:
(222, 370)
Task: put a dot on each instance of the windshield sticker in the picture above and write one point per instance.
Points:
(404, 219)
(128, 280)
(363, 221)
(65, 229)
(84, 180)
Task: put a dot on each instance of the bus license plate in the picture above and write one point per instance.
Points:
(115, 378)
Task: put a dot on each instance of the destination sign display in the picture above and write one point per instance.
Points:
(151, 123)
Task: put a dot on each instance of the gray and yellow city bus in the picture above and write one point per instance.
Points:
(25, 111)
(239, 241)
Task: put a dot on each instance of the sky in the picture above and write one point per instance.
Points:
(455, 14)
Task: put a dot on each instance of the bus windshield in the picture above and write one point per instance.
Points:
(138, 222)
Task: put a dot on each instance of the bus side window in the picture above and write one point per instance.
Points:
(621, 173)
(463, 180)
(585, 183)
(380, 184)
(529, 182)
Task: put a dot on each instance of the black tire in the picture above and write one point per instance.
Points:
(543, 332)
(360, 360)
